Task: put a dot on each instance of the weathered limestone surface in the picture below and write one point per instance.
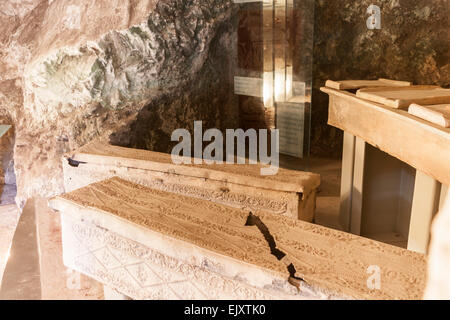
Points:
(131, 71)
(141, 272)
(143, 241)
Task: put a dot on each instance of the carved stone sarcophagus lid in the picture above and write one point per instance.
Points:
(289, 192)
(151, 244)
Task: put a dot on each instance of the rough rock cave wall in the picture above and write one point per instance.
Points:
(132, 71)
(126, 71)
(413, 44)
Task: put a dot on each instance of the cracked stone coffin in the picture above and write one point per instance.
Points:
(289, 193)
(151, 244)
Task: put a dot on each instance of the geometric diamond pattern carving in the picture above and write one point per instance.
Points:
(106, 258)
(123, 257)
(144, 273)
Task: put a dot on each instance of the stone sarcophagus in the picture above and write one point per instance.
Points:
(289, 193)
(151, 244)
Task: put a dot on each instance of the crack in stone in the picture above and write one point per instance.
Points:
(252, 221)
(74, 163)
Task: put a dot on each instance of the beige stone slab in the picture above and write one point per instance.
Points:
(285, 180)
(419, 143)
(403, 97)
(290, 193)
(193, 230)
(239, 196)
(437, 114)
(358, 84)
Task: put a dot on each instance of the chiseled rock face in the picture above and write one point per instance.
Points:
(129, 66)
(128, 71)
